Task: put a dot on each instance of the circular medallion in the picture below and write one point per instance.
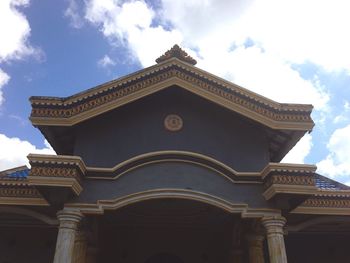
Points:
(173, 122)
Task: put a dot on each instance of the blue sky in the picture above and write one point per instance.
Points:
(284, 50)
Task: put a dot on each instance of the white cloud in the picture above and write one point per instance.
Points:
(265, 74)
(73, 13)
(4, 78)
(130, 24)
(300, 151)
(14, 31)
(344, 115)
(14, 151)
(294, 30)
(206, 23)
(337, 163)
(106, 61)
(301, 31)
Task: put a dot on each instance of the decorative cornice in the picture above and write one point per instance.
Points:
(325, 205)
(18, 191)
(288, 190)
(72, 110)
(287, 179)
(23, 201)
(327, 202)
(60, 171)
(306, 180)
(57, 160)
(288, 168)
(176, 52)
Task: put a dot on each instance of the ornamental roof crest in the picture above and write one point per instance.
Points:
(176, 52)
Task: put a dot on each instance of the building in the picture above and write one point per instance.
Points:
(171, 164)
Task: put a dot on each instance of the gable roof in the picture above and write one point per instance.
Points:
(285, 123)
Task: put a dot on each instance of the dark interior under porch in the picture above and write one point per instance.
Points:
(167, 231)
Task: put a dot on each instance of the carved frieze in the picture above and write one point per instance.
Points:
(327, 202)
(288, 179)
(20, 191)
(68, 172)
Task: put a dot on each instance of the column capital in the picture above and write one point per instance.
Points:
(69, 218)
(274, 224)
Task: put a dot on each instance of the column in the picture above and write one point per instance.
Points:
(69, 221)
(255, 248)
(80, 246)
(274, 231)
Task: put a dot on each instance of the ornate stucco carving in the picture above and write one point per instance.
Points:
(176, 52)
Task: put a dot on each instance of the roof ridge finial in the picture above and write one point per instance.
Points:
(176, 52)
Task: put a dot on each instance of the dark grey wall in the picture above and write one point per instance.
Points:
(138, 128)
(173, 175)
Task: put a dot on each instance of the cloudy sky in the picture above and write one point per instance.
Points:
(291, 51)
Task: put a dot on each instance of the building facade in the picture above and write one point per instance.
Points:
(171, 164)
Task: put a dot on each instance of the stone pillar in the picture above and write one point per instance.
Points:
(255, 248)
(274, 232)
(69, 221)
(80, 246)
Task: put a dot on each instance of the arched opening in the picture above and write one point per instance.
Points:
(166, 230)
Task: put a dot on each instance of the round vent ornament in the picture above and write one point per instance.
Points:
(173, 122)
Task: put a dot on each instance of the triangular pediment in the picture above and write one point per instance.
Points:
(85, 105)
